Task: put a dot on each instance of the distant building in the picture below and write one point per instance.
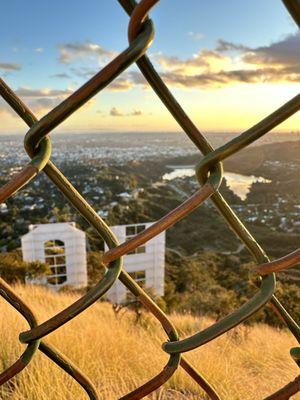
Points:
(146, 264)
(3, 208)
(63, 247)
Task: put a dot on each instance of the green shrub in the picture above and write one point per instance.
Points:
(13, 269)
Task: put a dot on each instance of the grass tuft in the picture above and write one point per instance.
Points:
(247, 363)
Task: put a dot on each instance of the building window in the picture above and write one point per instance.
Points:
(56, 259)
(131, 231)
(140, 278)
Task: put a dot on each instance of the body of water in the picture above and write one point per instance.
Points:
(238, 183)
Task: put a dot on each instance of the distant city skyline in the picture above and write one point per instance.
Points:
(228, 63)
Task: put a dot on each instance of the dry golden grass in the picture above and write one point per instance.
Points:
(118, 355)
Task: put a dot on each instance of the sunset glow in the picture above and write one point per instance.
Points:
(227, 77)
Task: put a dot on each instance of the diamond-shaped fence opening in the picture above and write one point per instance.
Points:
(209, 174)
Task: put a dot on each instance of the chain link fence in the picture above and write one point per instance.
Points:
(209, 174)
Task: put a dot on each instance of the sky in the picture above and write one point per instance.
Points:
(229, 63)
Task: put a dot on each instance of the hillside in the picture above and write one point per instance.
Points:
(118, 354)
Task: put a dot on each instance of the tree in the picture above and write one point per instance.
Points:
(13, 269)
(95, 267)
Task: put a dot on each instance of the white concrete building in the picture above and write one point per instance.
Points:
(146, 264)
(63, 247)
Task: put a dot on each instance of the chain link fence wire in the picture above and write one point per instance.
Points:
(209, 173)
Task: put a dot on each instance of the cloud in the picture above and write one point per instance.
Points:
(196, 35)
(222, 78)
(136, 113)
(39, 50)
(72, 51)
(84, 72)
(284, 53)
(118, 85)
(6, 109)
(61, 75)
(137, 78)
(44, 92)
(9, 67)
(224, 46)
(42, 105)
(115, 112)
(202, 59)
(226, 64)
(231, 63)
(42, 100)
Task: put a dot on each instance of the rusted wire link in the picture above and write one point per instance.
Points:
(165, 222)
(39, 130)
(115, 268)
(14, 300)
(202, 171)
(267, 287)
(37, 163)
(77, 99)
(280, 264)
(293, 7)
(194, 134)
(286, 392)
(261, 128)
(28, 172)
(19, 108)
(295, 354)
(209, 173)
(50, 351)
(248, 137)
(48, 326)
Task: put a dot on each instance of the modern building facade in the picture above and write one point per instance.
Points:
(146, 264)
(63, 247)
